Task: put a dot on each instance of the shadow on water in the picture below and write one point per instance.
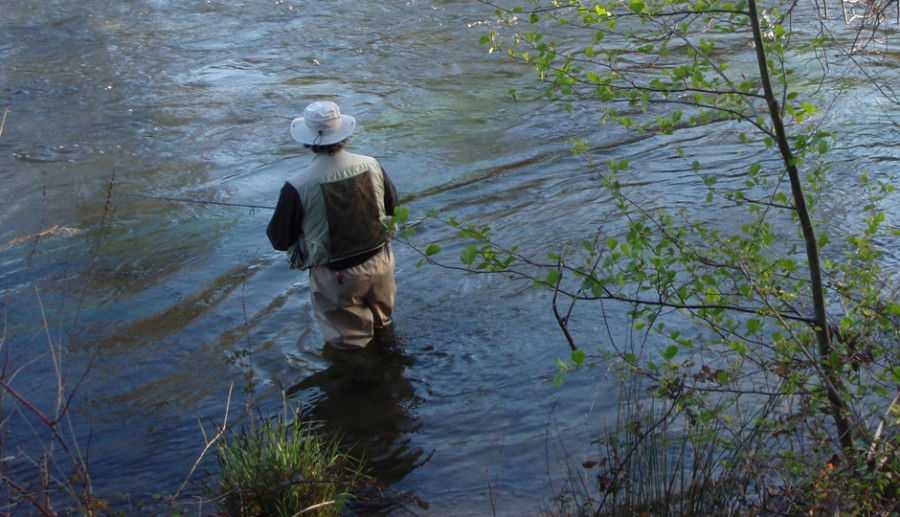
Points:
(365, 400)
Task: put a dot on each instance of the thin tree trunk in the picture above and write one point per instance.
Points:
(831, 381)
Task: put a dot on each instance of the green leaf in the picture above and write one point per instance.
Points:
(895, 374)
(670, 352)
(433, 249)
(553, 278)
(753, 325)
(559, 378)
(401, 215)
(578, 357)
(469, 254)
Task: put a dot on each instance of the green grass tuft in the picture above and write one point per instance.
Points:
(281, 467)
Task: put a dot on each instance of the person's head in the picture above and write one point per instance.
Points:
(322, 128)
(329, 149)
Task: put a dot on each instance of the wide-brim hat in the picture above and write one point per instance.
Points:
(322, 124)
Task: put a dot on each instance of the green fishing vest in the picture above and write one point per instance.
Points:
(343, 209)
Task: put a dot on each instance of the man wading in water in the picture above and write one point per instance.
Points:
(331, 218)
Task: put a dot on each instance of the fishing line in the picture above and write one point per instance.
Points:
(206, 202)
(239, 205)
(243, 205)
(200, 201)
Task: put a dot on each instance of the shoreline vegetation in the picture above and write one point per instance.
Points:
(756, 342)
(282, 466)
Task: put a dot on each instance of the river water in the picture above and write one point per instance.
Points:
(169, 305)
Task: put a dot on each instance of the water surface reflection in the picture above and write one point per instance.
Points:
(365, 399)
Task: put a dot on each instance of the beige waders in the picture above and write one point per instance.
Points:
(351, 303)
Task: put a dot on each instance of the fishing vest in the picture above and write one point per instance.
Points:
(343, 209)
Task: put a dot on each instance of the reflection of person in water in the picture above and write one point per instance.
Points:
(365, 401)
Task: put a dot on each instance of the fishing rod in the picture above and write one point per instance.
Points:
(207, 202)
(239, 205)
(199, 201)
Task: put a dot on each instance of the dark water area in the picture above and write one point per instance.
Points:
(169, 305)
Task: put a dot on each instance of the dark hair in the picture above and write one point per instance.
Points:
(330, 148)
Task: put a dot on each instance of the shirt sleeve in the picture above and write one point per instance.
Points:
(390, 194)
(287, 223)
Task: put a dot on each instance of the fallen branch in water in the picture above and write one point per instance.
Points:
(56, 230)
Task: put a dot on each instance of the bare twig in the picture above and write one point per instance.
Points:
(487, 476)
(209, 442)
(3, 121)
(563, 321)
(313, 507)
(873, 448)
